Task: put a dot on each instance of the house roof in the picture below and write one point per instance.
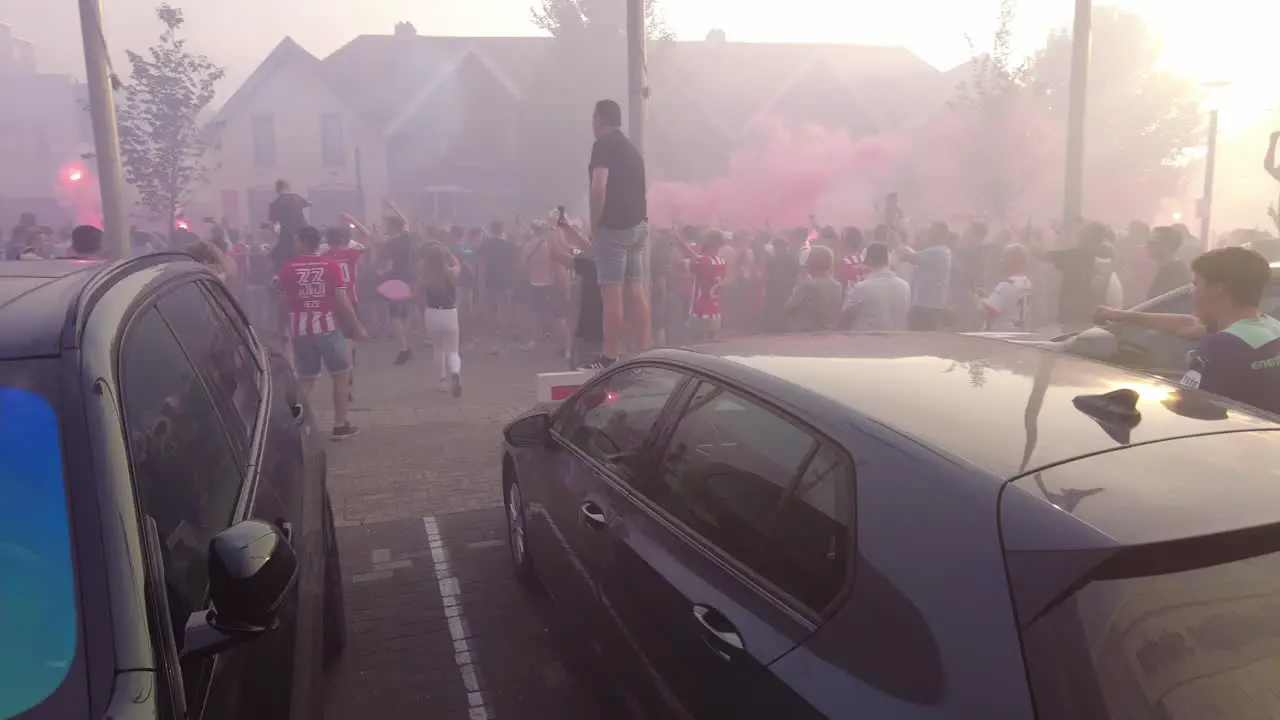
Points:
(407, 66)
(288, 51)
(385, 77)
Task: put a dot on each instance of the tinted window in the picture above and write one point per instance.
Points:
(185, 471)
(726, 470)
(220, 355)
(1185, 646)
(610, 420)
(37, 583)
(808, 550)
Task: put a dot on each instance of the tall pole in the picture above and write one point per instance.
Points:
(1073, 201)
(637, 90)
(1206, 202)
(106, 139)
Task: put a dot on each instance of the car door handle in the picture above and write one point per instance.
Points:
(299, 413)
(594, 516)
(720, 634)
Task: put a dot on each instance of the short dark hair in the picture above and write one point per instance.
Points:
(395, 224)
(338, 236)
(852, 238)
(1243, 272)
(609, 113)
(282, 186)
(308, 238)
(1166, 235)
(496, 227)
(877, 255)
(86, 240)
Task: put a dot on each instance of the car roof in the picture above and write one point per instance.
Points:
(35, 296)
(39, 299)
(1006, 408)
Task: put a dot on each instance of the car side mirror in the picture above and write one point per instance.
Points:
(252, 568)
(533, 430)
(1095, 343)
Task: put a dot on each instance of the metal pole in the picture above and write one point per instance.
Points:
(106, 139)
(1211, 156)
(636, 61)
(1073, 202)
(637, 92)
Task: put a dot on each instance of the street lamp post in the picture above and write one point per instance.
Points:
(106, 138)
(1073, 200)
(1210, 160)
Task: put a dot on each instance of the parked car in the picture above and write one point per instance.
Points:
(166, 541)
(904, 526)
(1137, 348)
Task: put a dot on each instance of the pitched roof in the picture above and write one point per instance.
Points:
(406, 66)
(383, 77)
(287, 52)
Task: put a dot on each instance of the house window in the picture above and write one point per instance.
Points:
(332, 149)
(264, 140)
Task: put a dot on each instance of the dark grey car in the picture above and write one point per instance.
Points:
(904, 526)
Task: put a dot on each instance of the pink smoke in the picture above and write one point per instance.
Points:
(1003, 164)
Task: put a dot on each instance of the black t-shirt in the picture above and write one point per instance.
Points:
(625, 204)
(1171, 276)
(501, 261)
(399, 254)
(590, 307)
(289, 212)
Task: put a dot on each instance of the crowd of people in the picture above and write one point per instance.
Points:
(588, 290)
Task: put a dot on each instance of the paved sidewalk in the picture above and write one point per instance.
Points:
(438, 626)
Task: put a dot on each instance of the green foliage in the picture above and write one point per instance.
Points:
(575, 18)
(162, 140)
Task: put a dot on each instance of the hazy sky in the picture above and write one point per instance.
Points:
(239, 33)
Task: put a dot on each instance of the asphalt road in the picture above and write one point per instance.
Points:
(437, 625)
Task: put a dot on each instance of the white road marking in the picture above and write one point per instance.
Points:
(451, 598)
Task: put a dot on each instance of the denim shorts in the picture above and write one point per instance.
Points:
(330, 349)
(620, 254)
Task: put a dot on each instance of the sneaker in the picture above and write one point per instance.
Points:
(600, 363)
(455, 382)
(345, 432)
(404, 357)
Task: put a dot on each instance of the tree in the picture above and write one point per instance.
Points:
(1141, 119)
(565, 18)
(1002, 136)
(162, 140)
(587, 62)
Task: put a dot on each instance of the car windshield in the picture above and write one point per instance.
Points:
(1195, 644)
(37, 584)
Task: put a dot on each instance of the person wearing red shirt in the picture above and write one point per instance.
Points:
(708, 270)
(851, 269)
(347, 253)
(313, 311)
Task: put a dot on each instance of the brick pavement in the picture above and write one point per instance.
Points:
(437, 625)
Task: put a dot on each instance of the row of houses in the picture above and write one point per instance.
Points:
(432, 122)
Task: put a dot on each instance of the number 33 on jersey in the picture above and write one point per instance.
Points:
(311, 284)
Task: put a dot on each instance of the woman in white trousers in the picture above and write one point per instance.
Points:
(440, 319)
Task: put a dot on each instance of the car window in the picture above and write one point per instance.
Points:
(184, 469)
(218, 351)
(726, 471)
(807, 554)
(38, 621)
(611, 419)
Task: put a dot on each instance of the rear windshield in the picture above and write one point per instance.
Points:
(1186, 646)
(37, 584)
